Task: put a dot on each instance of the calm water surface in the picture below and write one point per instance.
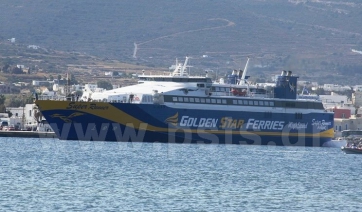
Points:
(53, 175)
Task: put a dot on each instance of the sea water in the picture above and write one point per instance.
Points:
(54, 175)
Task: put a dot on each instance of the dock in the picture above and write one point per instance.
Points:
(27, 134)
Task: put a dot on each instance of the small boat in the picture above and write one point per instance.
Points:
(353, 146)
(351, 150)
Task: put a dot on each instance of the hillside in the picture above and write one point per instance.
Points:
(312, 38)
(45, 63)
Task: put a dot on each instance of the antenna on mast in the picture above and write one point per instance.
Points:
(245, 69)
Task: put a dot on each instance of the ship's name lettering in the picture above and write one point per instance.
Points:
(92, 106)
(264, 125)
(97, 107)
(321, 124)
(187, 121)
(230, 123)
(297, 125)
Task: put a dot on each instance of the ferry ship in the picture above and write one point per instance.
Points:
(179, 108)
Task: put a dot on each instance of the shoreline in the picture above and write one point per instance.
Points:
(27, 134)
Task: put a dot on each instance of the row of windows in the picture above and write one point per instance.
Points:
(253, 102)
(247, 102)
(176, 79)
(223, 89)
(229, 89)
(223, 101)
(147, 98)
(199, 100)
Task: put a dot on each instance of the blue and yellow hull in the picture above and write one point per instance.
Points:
(100, 121)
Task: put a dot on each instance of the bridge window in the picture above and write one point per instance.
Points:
(174, 99)
(289, 104)
(298, 116)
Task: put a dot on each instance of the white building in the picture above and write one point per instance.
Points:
(33, 47)
(333, 87)
(90, 88)
(42, 83)
(357, 98)
(23, 115)
(108, 73)
(353, 123)
(333, 100)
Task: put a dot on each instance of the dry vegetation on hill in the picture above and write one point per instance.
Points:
(312, 38)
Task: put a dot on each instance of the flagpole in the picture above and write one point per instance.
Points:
(67, 86)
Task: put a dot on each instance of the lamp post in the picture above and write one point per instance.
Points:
(23, 117)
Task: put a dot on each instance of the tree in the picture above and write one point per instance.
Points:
(2, 103)
(2, 99)
(6, 68)
(320, 91)
(2, 109)
(38, 116)
(115, 74)
(10, 114)
(79, 93)
(72, 80)
(104, 84)
(17, 70)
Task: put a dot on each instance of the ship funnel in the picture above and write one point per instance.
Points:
(284, 73)
(289, 73)
(285, 87)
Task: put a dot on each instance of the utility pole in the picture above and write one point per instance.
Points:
(23, 117)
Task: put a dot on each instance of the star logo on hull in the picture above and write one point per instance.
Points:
(172, 120)
(67, 119)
